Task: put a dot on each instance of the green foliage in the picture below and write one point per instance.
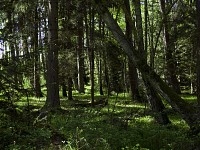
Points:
(120, 125)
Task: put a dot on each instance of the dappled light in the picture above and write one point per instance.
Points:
(99, 75)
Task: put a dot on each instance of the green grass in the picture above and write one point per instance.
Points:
(122, 124)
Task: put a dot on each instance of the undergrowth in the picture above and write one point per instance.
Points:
(120, 125)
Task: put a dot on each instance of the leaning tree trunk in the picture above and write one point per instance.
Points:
(154, 99)
(186, 110)
(53, 100)
(156, 104)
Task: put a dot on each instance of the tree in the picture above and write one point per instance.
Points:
(187, 111)
(53, 100)
(198, 50)
(99, 58)
(133, 75)
(91, 52)
(80, 52)
(11, 32)
(169, 49)
(154, 99)
(37, 87)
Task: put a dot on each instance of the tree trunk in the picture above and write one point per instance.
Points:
(198, 50)
(100, 76)
(100, 60)
(133, 75)
(64, 90)
(99, 68)
(154, 99)
(70, 84)
(53, 100)
(44, 54)
(152, 50)
(11, 28)
(146, 25)
(139, 40)
(37, 87)
(106, 76)
(156, 104)
(186, 110)
(80, 53)
(169, 48)
(91, 48)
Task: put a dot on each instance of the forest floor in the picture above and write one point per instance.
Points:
(120, 125)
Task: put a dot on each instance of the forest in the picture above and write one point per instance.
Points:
(100, 74)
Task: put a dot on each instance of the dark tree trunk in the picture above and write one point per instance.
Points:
(156, 104)
(80, 53)
(145, 26)
(99, 67)
(198, 50)
(133, 78)
(139, 40)
(169, 48)
(106, 76)
(154, 99)
(70, 84)
(44, 54)
(100, 77)
(53, 101)
(91, 50)
(37, 87)
(133, 75)
(64, 90)
(152, 50)
(100, 60)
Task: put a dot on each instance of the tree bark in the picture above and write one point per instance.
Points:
(80, 53)
(70, 83)
(156, 104)
(152, 50)
(37, 87)
(91, 50)
(198, 50)
(154, 99)
(53, 101)
(100, 60)
(133, 75)
(140, 40)
(186, 110)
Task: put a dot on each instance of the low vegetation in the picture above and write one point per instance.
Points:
(121, 124)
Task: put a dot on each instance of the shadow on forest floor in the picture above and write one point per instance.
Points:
(121, 124)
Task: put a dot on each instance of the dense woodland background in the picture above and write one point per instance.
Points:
(97, 74)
